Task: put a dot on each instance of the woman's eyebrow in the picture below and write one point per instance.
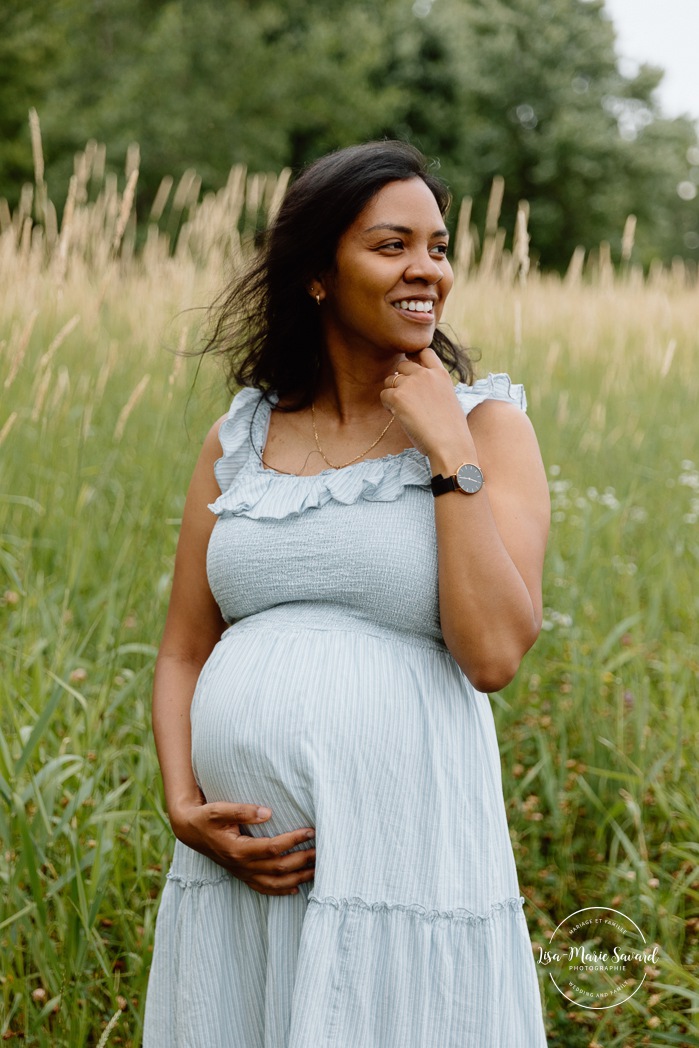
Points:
(404, 229)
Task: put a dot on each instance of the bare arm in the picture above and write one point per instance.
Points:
(491, 548)
(490, 545)
(192, 629)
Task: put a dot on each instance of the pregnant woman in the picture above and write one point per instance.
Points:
(359, 563)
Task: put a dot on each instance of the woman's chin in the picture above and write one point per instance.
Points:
(417, 345)
(417, 340)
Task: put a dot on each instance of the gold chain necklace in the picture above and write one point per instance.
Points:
(356, 457)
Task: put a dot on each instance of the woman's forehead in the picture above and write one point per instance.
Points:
(400, 206)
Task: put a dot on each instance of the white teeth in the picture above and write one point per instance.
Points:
(415, 305)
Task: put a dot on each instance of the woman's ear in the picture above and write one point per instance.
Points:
(316, 290)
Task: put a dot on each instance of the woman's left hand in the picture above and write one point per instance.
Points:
(423, 400)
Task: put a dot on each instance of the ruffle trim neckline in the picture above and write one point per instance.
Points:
(249, 489)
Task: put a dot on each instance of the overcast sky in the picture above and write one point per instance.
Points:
(664, 33)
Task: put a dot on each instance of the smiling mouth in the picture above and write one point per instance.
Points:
(415, 305)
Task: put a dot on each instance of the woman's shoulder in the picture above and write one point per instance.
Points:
(496, 386)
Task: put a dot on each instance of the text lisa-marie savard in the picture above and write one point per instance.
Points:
(583, 956)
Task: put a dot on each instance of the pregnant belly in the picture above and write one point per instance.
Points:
(284, 709)
(370, 737)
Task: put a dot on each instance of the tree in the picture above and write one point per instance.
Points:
(536, 96)
(29, 45)
(527, 89)
(203, 85)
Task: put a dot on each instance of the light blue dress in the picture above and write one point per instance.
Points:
(333, 700)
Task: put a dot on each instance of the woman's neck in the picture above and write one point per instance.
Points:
(349, 389)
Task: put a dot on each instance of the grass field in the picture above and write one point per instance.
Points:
(100, 426)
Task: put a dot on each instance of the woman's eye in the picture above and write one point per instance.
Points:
(398, 245)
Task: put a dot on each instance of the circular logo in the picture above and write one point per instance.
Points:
(596, 958)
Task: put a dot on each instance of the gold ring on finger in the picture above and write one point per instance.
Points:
(395, 376)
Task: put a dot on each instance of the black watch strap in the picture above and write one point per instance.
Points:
(441, 485)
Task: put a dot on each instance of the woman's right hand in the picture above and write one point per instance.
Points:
(214, 830)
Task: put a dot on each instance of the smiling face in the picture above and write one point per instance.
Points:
(391, 276)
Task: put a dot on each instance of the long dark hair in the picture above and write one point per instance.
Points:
(266, 324)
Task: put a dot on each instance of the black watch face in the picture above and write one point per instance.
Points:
(469, 478)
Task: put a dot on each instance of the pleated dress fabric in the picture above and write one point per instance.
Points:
(333, 700)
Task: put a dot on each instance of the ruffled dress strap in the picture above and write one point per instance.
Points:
(248, 489)
(239, 434)
(495, 387)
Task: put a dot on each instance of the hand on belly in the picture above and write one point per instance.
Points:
(265, 864)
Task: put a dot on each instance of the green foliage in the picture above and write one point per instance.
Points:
(214, 85)
(527, 89)
(535, 93)
(28, 54)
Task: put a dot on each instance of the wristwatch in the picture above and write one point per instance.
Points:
(467, 479)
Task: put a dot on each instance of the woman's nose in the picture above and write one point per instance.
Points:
(424, 267)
